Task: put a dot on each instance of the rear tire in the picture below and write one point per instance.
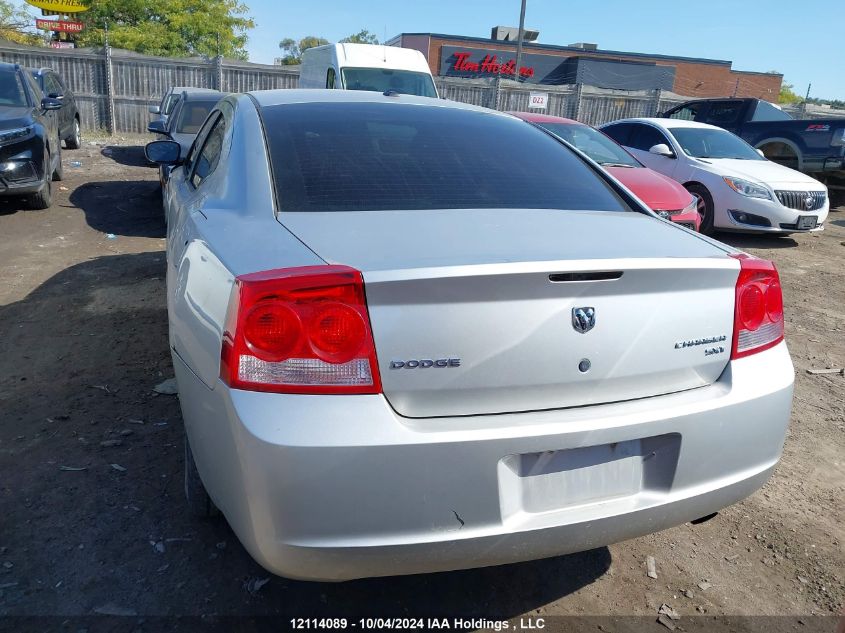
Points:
(705, 208)
(74, 141)
(44, 198)
(200, 504)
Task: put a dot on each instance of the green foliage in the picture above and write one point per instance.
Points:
(293, 50)
(788, 95)
(16, 24)
(170, 28)
(361, 37)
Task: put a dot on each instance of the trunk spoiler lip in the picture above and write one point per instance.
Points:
(550, 268)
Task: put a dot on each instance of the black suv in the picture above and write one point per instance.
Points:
(30, 148)
(53, 86)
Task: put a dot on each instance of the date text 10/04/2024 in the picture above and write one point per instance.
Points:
(410, 624)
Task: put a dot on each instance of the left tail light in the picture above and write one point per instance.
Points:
(300, 330)
(758, 311)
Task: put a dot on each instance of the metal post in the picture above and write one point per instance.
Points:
(577, 113)
(218, 67)
(519, 37)
(658, 96)
(110, 114)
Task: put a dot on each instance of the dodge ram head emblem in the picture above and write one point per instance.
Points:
(583, 319)
(808, 202)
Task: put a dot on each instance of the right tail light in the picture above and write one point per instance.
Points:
(758, 312)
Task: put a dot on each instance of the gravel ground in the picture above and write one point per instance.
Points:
(91, 457)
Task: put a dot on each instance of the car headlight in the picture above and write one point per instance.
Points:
(16, 134)
(745, 188)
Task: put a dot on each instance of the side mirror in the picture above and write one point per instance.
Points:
(51, 103)
(155, 110)
(759, 151)
(156, 127)
(661, 149)
(163, 152)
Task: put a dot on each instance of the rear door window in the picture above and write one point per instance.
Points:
(724, 112)
(619, 132)
(397, 156)
(690, 112)
(209, 155)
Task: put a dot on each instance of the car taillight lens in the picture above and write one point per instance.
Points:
(300, 330)
(758, 312)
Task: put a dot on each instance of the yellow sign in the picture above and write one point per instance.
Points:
(59, 6)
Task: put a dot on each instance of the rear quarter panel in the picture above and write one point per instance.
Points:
(226, 228)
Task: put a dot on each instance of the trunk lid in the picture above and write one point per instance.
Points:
(472, 310)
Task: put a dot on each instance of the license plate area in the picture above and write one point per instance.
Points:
(808, 221)
(573, 478)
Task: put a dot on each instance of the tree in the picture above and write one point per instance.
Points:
(361, 37)
(293, 50)
(172, 28)
(15, 24)
(787, 94)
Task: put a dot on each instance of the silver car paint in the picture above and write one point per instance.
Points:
(339, 487)
(431, 283)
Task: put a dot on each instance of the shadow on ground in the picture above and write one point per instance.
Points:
(91, 471)
(123, 207)
(129, 155)
(748, 240)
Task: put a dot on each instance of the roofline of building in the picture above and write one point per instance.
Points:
(574, 49)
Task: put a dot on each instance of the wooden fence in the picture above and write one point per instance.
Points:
(114, 88)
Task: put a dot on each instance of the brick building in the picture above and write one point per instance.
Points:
(461, 56)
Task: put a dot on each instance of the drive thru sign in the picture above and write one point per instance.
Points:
(537, 100)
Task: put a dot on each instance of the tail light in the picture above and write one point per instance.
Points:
(758, 313)
(300, 330)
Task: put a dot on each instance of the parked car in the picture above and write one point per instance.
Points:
(188, 114)
(812, 146)
(738, 189)
(53, 86)
(168, 102)
(661, 194)
(412, 335)
(367, 67)
(30, 147)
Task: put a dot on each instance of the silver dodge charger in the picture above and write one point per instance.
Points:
(412, 335)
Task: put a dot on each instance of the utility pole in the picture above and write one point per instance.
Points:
(804, 105)
(519, 37)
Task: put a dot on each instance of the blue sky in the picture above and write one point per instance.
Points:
(803, 40)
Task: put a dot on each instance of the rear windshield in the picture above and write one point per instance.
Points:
(593, 143)
(193, 115)
(392, 156)
(383, 79)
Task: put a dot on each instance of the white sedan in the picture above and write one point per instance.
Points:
(738, 189)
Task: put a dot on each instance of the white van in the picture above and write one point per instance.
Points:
(367, 67)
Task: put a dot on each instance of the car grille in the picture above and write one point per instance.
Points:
(798, 199)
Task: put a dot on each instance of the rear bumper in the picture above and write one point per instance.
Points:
(340, 487)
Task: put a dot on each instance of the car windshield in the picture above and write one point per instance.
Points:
(394, 156)
(193, 114)
(12, 90)
(593, 143)
(384, 79)
(713, 143)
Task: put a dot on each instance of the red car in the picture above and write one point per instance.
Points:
(663, 195)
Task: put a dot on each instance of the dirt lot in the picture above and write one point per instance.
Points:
(91, 513)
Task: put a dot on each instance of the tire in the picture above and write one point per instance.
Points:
(705, 208)
(44, 198)
(199, 503)
(74, 141)
(59, 171)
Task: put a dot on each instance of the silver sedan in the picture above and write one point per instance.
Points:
(412, 335)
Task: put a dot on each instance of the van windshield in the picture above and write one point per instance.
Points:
(383, 79)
